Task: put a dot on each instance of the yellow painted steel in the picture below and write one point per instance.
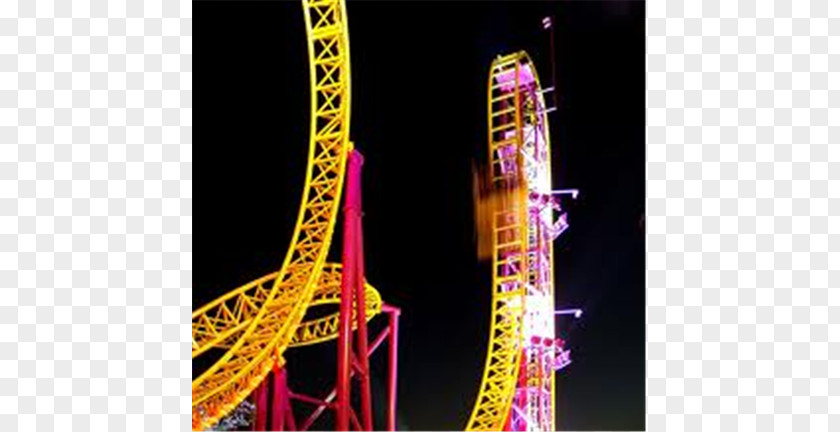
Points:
(327, 293)
(510, 226)
(258, 321)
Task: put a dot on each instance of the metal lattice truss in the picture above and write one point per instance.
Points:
(257, 322)
(328, 293)
(518, 381)
(534, 399)
(312, 330)
(509, 241)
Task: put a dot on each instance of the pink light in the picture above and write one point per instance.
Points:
(562, 360)
(506, 79)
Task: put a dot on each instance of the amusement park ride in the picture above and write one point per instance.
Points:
(254, 324)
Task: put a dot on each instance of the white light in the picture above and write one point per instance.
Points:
(576, 312)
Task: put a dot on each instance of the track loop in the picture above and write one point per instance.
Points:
(259, 322)
(513, 98)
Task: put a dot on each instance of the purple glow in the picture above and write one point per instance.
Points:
(563, 359)
(576, 312)
(506, 79)
(524, 153)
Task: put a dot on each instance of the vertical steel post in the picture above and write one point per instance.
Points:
(281, 400)
(393, 322)
(261, 414)
(290, 416)
(366, 416)
(548, 24)
(349, 277)
(554, 96)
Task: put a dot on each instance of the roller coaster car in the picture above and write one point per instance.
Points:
(489, 198)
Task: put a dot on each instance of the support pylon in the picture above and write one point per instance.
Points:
(261, 404)
(352, 287)
(273, 397)
(282, 418)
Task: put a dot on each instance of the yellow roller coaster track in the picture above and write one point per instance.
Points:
(510, 226)
(257, 322)
(327, 293)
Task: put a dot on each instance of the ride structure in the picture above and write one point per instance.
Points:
(254, 324)
(518, 385)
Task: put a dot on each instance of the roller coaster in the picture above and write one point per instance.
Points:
(517, 388)
(253, 325)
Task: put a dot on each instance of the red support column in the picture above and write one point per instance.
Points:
(290, 416)
(261, 412)
(361, 321)
(281, 400)
(349, 280)
(353, 356)
(393, 322)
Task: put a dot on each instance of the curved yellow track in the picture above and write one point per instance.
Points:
(317, 329)
(510, 231)
(257, 322)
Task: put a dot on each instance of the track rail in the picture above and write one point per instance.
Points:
(509, 239)
(533, 405)
(518, 382)
(316, 329)
(259, 321)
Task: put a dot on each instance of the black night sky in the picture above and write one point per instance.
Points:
(419, 74)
